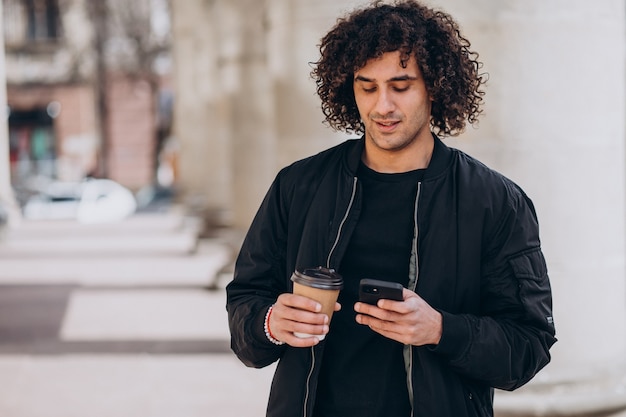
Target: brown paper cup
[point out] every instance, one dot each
(320, 284)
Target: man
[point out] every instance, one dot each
(395, 205)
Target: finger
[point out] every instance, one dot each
(295, 333)
(309, 330)
(286, 318)
(410, 303)
(374, 323)
(393, 306)
(301, 342)
(409, 299)
(390, 330)
(299, 302)
(374, 311)
(365, 308)
(406, 294)
(285, 330)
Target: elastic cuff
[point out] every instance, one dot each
(455, 335)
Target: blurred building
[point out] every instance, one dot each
(83, 88)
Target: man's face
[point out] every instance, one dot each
(393, 103)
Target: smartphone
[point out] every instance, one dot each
(372, 290)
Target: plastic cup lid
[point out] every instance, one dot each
(320, 277)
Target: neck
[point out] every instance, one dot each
(410, 158)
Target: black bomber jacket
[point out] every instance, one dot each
(479, 263)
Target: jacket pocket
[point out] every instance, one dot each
(531, 273)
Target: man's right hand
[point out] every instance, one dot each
(295, 313)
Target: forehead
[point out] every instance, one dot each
(388, 66)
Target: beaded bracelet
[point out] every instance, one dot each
(266, 327)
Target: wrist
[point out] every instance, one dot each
(438, 328)
(266, 327)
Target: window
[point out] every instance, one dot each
(31, 21)
(42, 18)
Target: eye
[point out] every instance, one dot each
(369, 89)
(401, 89)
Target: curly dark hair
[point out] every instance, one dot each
(449, 68)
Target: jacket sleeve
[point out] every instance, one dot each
(509, 341)
(258, 281)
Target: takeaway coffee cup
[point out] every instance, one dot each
(320, 284)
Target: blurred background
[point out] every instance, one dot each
(139, 137)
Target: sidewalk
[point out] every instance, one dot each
(120, 320)
(125, 319)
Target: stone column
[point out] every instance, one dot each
(252, 112)
(296, 28)
(554, 123)
(200, 123)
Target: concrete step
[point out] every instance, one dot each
(157, 234)
(91, 268)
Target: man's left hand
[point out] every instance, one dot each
(411, 321)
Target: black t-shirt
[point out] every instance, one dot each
(363, 373)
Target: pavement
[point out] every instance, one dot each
(120, 320)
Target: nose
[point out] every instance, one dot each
(384, 103)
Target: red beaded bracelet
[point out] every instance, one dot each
(266, 327)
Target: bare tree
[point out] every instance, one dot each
(98, 12)
(125, 41)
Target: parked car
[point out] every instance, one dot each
(89, 201)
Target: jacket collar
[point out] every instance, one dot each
(438, 162)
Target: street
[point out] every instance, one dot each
(123, 319)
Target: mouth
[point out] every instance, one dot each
(385, 125)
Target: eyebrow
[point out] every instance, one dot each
(398, 78)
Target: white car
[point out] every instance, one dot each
(89, 201)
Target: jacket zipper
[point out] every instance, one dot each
(343, 222)
(308, 383)
(413, 288)
(330, 254)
